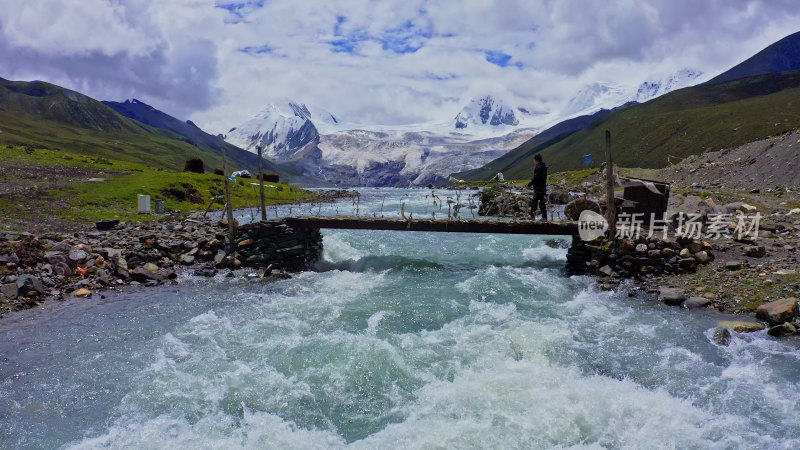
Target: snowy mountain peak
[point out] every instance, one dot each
(485, 112)
(657, 86)
(594, 97)
(284, 130)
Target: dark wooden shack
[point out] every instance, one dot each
(646, 197)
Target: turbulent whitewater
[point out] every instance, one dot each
(399, 340)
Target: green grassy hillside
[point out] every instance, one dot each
(39, 185)
(43, 115)
(685, 122)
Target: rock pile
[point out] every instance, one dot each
(36, 268)
(628, 258)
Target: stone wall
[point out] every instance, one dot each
(275, 243)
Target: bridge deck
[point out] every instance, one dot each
(446, 226)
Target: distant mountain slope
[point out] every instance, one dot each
(188, 131)
(782, 56)
(522, 156)
(684, 122)
(41, 114)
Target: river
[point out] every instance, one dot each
(399, 340)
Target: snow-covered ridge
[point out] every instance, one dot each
(485, 111)
(349, 153)
(658, 86)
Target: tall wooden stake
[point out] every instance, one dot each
(229, 203)
(261, 184)
(611, 204)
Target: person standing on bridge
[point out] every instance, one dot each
(539, 185)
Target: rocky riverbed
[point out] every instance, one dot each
(50, 266)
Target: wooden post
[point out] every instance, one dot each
(261, 184)
(611, 204)
(229, 203)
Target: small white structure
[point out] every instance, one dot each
(499, 177)
(144, 204)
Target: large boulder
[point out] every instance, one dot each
(784, 329)
(741, 326)
(29, 285)
(574, 208)
(778, 312)
(143, 275)
(696, 302)
(671, 296)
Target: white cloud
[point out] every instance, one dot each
(388, 62)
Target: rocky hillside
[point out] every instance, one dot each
(767, 164)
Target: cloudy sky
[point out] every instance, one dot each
(388, 62)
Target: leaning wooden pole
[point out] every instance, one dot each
(229, 203)
(611, 204)
(261, 184)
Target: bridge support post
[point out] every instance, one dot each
(577, 257)
(276, 244)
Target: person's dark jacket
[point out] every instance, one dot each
(539, 181)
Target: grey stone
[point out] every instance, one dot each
(9, 258)
(671, 296)
(62, 269)
(78, 256)
(143, 275)
(696, 302)
(9, 291)
(27, 284)
(784, 329)
(63, 247)
(187, 259)
(607, 271)
(220, 256)
(733, 265)
(721, 336)
(55, 257)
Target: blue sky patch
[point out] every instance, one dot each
(241, 8)
(405, 38)
(497, 58)
(257, 50)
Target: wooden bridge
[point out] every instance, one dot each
(434, 225)
(295, 243)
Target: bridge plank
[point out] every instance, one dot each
(440, 225)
